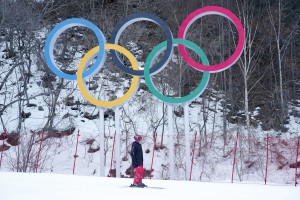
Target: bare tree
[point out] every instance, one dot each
(282, 40)
(252, 54)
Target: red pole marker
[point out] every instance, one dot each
(39, 152)
(298, 144)
(112, 155)
(154, 147)
(2, 150)
(75, 155)
(267, 160)
(234, 158)
(193, 154)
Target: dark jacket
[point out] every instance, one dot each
(136, 154)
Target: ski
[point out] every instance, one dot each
(149, 187)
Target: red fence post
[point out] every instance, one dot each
(267, 160)
(75, 155)
(154, 147)
(193, 154)
(298, 144)
(112, 154)
(235, 147)
(39, 152)
(2, 150)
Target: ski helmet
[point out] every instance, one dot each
(138, 137)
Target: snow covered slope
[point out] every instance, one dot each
(29, 186)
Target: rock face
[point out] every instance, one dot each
(93, 150)
(59, 134)
(13, 139)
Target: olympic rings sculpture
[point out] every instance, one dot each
(99, 53)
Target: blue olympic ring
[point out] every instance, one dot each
(52, 37)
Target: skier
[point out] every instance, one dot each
(136, 154)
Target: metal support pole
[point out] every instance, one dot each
(101, 142)
(118, 134)
(112, 155)
(171, 141)
(187, 140)
(193, 155)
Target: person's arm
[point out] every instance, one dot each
(133, 154)
(132, 150)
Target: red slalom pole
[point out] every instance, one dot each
(112, 154)
(2, 150)
(193, 154)
(234, 158)
(75, 155)
(267, 160)
(38, 158)
(154, 147)
(298, 144)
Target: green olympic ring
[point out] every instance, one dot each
(156, 51)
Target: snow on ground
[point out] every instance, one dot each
(31, 186)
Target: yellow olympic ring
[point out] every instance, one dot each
(82, 86)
